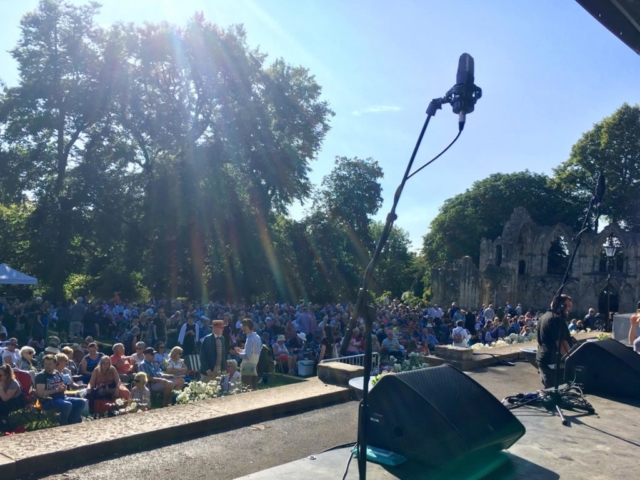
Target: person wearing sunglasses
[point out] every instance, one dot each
(27, 361)
(138, 357)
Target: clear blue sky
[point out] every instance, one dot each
(548, 71)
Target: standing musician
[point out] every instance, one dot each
(553, 334)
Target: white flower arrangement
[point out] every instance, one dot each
(198, 390)
(503, 342)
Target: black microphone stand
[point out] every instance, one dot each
(568, 397)
(365, 307)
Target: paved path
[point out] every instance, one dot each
(232, 454)
(598, 447)
(273, 443)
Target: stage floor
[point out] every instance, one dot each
(601, 446)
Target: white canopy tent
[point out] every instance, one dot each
(9, 276)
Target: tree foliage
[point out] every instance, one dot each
(611, 147)
(162, 159)
(482, 211)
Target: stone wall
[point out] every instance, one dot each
(514, 268)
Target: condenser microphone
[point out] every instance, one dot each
(464, 94)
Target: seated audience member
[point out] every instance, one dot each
(104, 383)
(10, 394)
(61, 366)
(281, 353)
(11, 354)
(121, 363)
(232, 379)
(159, 381)
(72, 366)
(50, 389)
(78, 356)
(26, 362)
(140, 393)
(138, 357)
(176, 365)
(90, 361)
(296, 345)
(162, 356)
(391, 346)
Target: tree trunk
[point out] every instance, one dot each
(59, 272)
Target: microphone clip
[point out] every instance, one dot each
(463, 97)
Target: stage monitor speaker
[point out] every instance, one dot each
(607, 367)
(435, 415)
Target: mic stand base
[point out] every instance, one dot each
(556, 400)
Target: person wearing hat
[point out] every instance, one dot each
(213, 356)
(53, 349)
(281, 353)
(296, 347)
(250, 355)
(11, 355)
(159, 381)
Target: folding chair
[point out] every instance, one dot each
(193, 363)
(31, 412)
(278, 364)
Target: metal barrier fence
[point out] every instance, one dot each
(358, 360)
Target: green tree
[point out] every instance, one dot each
(482, 211)
(397, 271)
(351, 194)
(65, 68)
(611, 147)
(223, 142)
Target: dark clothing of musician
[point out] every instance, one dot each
(552, 329)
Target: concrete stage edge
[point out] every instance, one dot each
(602, 446)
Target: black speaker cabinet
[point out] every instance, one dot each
(438, 414)
(607, 367)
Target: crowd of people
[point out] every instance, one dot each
(151, 341)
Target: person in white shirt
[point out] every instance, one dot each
(138, 357)
(460, 335)
(11, 354)
(489, 313)
(250, 355)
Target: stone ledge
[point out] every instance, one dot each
(339, 374)
(45, 451)
(487, 357)
(449, 352)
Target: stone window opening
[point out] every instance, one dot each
(558, 256)
(498, 255)
(522, 267)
